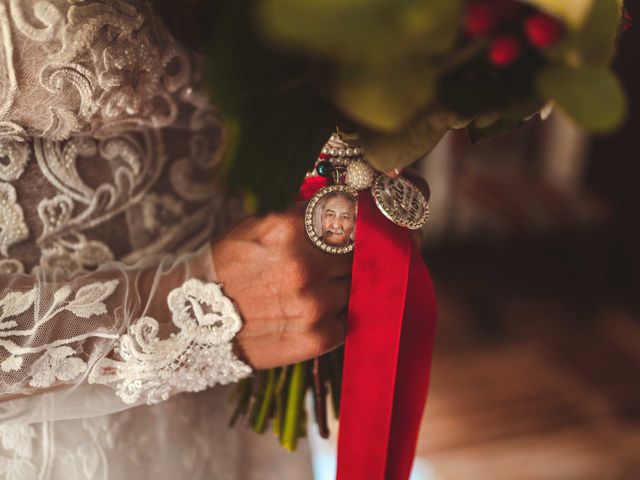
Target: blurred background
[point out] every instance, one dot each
(534, 247)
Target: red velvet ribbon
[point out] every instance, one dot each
(390, 331)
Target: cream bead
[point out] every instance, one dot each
(359, 175)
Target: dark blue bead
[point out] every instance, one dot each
(324, 169)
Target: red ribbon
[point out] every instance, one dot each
(390, 331)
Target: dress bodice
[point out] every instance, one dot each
(108, 156)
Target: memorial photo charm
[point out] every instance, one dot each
(330, 218)
(400, 201)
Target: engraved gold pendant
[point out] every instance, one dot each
(330, 218)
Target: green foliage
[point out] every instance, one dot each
(379, 51)
(284, 73)
(362, 32)
(479, 131)
(277, 115)
(402, 147)
(385, 99)
(592, 26)
(594, 42)
(592, 96)
(476, 87)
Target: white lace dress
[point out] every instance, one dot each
(108, 300)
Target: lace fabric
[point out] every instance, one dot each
(90, 67)
(116, 326)
(108, 300)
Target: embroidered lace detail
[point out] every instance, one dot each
(13, 229)
(108, 156)
(100, 66)
(198, 356)
(55, 361)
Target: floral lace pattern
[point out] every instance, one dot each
(108, 69)
(12, 226)
(101, 65)
(58, 362)
(108, 156)
(197, 357)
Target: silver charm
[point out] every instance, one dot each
(400, 201)
(330, 218)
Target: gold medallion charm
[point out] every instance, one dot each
(400, 201)
(330, 218)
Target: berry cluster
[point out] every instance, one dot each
(507, 24)
(627, 20)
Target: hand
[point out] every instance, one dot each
(292, 296)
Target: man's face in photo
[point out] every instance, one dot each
(338, 220)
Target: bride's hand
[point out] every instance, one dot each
(291, 295)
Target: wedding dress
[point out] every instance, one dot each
(110, 317)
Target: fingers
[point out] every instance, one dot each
(327, 335)
(333, 331)
(333, 294)
(316, 303)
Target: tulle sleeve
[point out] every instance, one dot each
(120, 336)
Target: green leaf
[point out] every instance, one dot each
(361, 31)
(384, 99)
(478, 131)
(386, 151)
(595, 40)
(505, 120)
(592, 96)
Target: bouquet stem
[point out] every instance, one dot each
(277, 395)
(293, 416)
(320, 398)
(259, 420)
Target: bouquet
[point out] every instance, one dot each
(399, 74)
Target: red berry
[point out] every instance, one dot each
(542, 30)
(504, 50)
(480, 19)
(628, 20)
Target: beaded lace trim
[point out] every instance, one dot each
(199, 356)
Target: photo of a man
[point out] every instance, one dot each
(337, 219)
